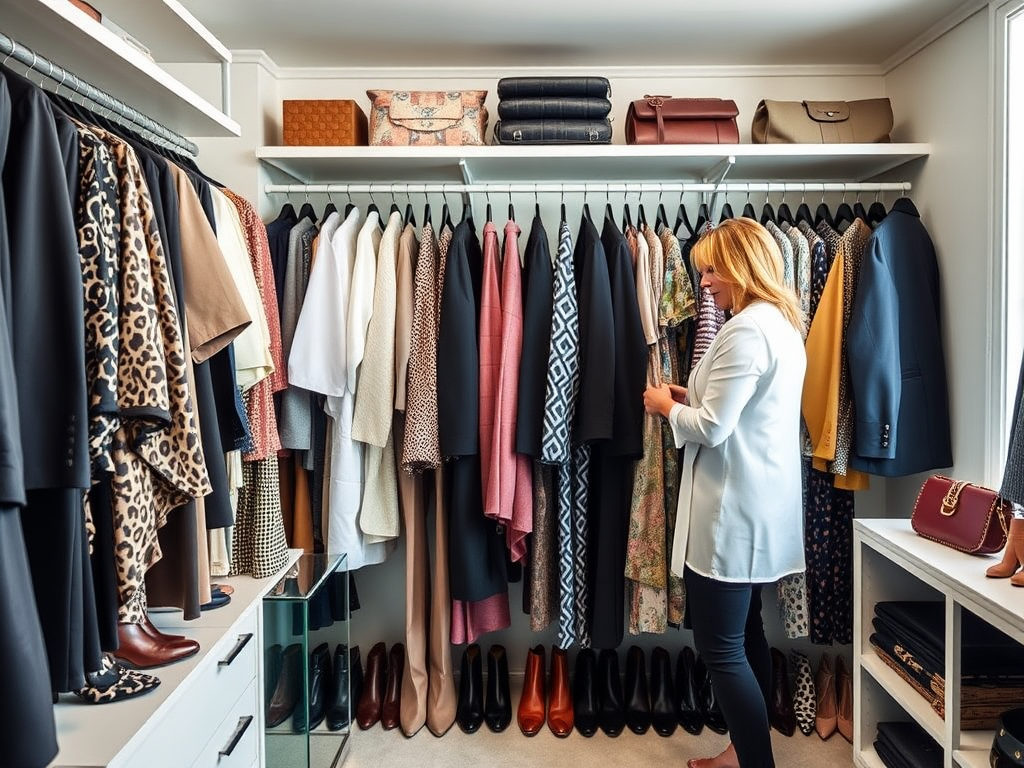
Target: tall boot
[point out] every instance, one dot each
(531, 712)
(442, 699)
(1013, 554)
(638, 700)
(559, 695)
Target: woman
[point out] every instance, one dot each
(739, 523)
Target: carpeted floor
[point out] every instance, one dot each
(377, 748)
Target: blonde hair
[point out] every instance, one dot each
(744, 253)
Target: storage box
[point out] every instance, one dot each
(324, 122)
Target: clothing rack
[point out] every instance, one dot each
(587, 188)
(12, 49)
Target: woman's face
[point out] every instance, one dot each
(719, 288)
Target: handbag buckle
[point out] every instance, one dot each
(656, 101)
(952, 498)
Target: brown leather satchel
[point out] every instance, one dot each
(867, 121)
(664, 120)
(961, 515)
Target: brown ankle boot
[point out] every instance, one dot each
(1013, 555)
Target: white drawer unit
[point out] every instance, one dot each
(207, 711)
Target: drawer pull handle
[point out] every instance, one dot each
(240, 729)
(243, 640)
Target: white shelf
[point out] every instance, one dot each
(904, 695)
(868, 759)
(753, 162)
(57, 30)
(167, 28)
(972, 758)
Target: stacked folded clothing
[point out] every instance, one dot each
(553, 110)
(907, 745)
(909, 637)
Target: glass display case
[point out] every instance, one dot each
(307, 703)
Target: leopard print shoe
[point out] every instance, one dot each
(804, 700)
(114, 682)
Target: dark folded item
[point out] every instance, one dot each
(912, 743)
(554, 108)
(984, 651)
(914, 679)
(553, 132)
(898, 635)
(889, 758)
(520, 87)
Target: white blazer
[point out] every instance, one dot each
(740, 513)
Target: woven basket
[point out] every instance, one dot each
(324, 122)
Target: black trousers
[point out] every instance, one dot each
(729, 635)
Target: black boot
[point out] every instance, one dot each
(688, 709)
(584, 692)
(339, 710)
(713, 717)
(498, 704)
(611, 712)
(319, 681)
(663, 712)
(469, 713)
(638, 700)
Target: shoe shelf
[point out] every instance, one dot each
(891, 562)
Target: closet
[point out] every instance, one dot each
(939, 153)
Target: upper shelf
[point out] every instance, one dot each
(59, 31)
(176, 36)
(753, 162)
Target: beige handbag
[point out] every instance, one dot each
(867, 121)
(427, 118)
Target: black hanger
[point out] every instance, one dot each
(489, 217)
(860, 211)
(394, 208)
(426, 214)
(641, 216)
(608, 213)
(536, 211)
(703, 216)
(784, 215)
(749, 212)
(563, 214)
(307, 212)
(349, 206)
(410, 216)
(843, 217)
(682, 218)
(446, 217)
(876, 212)
(661, 220)
(331, 208)
(586, 211)
(287, 212)
(803, 213)
(511, 211)
(627, 216)
(726, 212)
(823, 214)
(767, 213)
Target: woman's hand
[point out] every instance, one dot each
(679, 394)
(659, 400)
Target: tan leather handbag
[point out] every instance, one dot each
(664, 120)
(427, 118)
(867, 121)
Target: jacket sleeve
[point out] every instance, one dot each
(740, 357)
(873, 351)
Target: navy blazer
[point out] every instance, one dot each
(894, 348)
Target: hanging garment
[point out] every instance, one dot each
(786, 249)
(318, 363)
(538, 290)
(540, 594)
(612, 463)
(27, 727)
(559, 407)
(293, 417)
(802, 267)
(374, 407)
(421, 449)
(360, 308)
(476, 550)
(819, 267)
(278, 235)
(489, 345)
(894, 342)
(509, 491)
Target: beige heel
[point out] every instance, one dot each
(1013, 555)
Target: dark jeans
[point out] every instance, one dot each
(729, 635)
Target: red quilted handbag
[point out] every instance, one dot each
(961, 515)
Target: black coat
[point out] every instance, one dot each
(538, 288)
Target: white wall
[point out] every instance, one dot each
(944, 95)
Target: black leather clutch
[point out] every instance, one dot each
(553, 132)
(910, 745)
(522, 87)
(554, 108)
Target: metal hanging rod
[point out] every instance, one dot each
(589, 187)
(12, 49)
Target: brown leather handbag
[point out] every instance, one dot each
(664, 120)
(868, 121)
(961, 515)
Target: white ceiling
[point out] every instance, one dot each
(553, 33)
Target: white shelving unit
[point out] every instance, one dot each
(752, 162)
(891, 562)
(59, 31)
